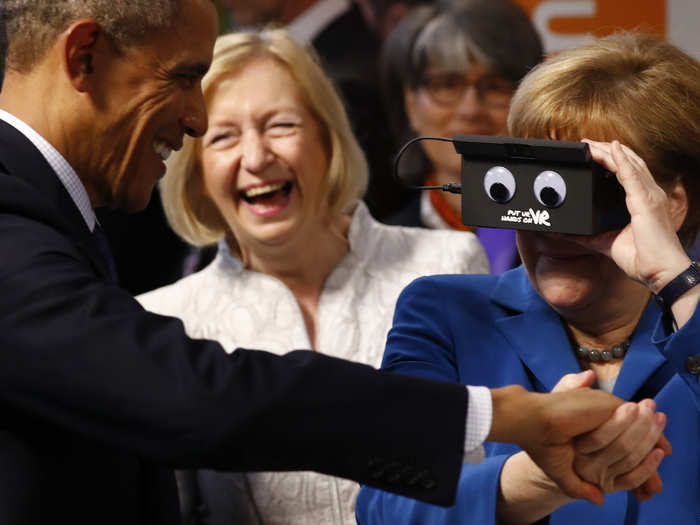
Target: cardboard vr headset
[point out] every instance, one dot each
(541, 185)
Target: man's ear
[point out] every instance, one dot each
(79, 44)
(678, 203)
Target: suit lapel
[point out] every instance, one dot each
(642, 359)
(49, 201)
(534, 330)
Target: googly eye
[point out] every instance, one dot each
(499, 184)
(550, 189)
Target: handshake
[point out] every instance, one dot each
(577, 443)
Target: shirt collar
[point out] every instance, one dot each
(315, 19)
(64, 171)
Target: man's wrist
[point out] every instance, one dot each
(478, 423)
(512, 406)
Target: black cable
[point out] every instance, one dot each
(451, 187)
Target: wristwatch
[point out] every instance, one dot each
(678, 286)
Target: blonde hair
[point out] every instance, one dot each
(189, 211)
(631, 87)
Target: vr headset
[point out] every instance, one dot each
(540, 185)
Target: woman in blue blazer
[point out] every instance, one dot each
(582, 303)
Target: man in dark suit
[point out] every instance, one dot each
(99, 398)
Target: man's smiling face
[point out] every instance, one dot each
(147, 98)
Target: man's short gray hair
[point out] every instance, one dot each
(31, 26)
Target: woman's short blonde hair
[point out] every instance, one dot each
(190, 212)
(632, 87)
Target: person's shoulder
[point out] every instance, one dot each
(453, 297)
(331, 42)
(470, 285)
(442, 251)
(177, 298)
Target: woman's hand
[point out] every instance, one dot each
(621, 454)
(647, 249)
(625, 451)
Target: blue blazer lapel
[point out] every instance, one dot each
(534, 330)
(642, 359)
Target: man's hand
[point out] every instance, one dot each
(544, 425)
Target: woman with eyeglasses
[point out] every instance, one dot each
(446, 69)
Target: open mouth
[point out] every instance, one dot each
(267, 194)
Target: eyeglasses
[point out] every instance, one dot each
(448, 88)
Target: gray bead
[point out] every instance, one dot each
(603, 354)
(618, 351)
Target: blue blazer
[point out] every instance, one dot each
(496, 331)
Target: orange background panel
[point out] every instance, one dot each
(645, 15)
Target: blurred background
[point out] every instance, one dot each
(566, 23)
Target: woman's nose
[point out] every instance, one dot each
(470, 102)
(255, 154)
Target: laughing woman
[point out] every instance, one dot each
(277, 181)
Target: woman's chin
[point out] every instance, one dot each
(567, 298)
(564, 290)
(274, 235)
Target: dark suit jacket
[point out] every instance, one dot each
(408, 215)
(147, 252)
(99, 399)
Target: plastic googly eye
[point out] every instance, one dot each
(499, 184)
(550, 189)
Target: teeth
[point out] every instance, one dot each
(162, 149)
(261, 190)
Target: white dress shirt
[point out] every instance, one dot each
(64, 171)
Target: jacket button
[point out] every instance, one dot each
(391, 471)
(428, 484)
(405, 473)
(415, 478)
(693, 364)
(394, 477)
